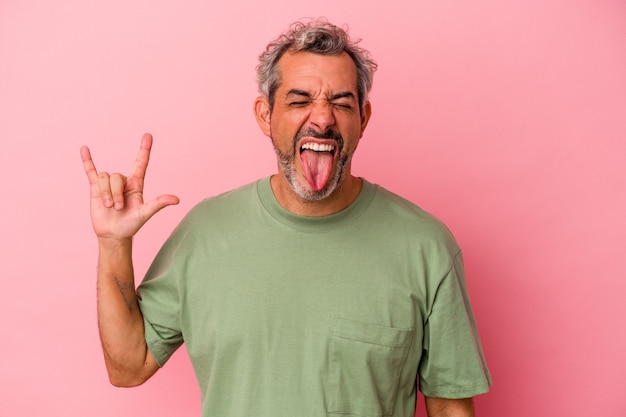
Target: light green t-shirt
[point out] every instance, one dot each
(287, 316)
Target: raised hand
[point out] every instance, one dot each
(117, 205)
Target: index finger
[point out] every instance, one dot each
(143, 157)
(90, 168)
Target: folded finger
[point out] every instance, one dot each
(104, 184)
(118, 184)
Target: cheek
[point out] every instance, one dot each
(287, 124)
(349, 148)
(351, 134)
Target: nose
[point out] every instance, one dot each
(321, 116)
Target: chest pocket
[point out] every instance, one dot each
(365, 364)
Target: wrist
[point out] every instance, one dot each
(112, 244)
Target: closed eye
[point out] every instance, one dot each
(344, 100)
(299, 103)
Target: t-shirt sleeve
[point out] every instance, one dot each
(160, 301)
(452, 364)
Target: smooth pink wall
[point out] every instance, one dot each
(507, 119)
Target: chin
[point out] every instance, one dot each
(309, 194)
(300, 185)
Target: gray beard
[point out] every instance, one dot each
(288, 168)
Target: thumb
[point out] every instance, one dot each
(154, 206)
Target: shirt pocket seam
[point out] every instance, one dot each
(396, 341)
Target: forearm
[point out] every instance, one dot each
(119, 318)
(445, 407)
(118, 211)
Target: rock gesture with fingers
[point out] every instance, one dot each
(118, 209)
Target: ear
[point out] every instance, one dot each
(365, 116)
(262, 115)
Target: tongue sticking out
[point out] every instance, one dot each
(317, 167)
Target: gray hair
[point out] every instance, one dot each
(320, 37)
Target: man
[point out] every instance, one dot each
(308, 293)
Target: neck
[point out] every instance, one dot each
(341, 198)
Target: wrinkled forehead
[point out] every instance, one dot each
(317, 74)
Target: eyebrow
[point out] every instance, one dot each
(296, 92)
(343, 94)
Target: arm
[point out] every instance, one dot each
(445, 407)
(117, 213)
(126, 355)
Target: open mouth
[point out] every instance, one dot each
(317, 162)
(318, 147)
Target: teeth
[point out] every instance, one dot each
(318, 148)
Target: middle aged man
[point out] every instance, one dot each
(308, 293)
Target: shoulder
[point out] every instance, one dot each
(229, 202)
(409, 220)
(219, 212)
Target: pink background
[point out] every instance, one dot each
(507, 119)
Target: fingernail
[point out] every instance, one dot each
(118, 206)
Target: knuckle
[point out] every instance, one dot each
(117, 177)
